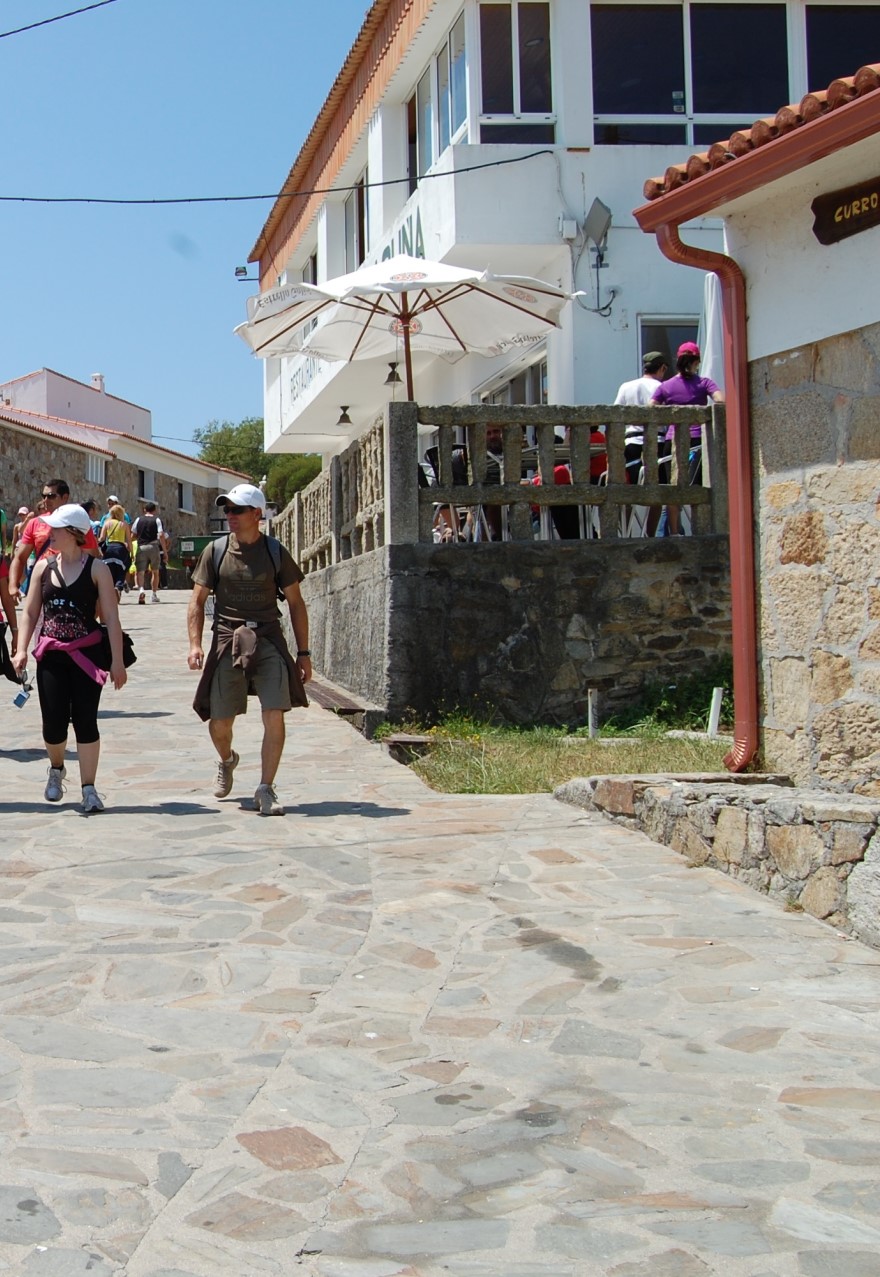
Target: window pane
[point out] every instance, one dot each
(496, 59)
(666, 336)
(638, 59)
(412, 146)
(517, 133)
(706, 134)
(535, 86)
(458, 75)
(425, 111)
(443, 97)
(840, 39)
(739, 57)
(640, 134)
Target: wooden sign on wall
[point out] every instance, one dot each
(840, 214)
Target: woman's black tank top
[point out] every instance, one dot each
(68, 610)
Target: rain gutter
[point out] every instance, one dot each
(700, 196)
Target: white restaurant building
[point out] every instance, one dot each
(480, 134)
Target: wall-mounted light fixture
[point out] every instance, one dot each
(344, 419)
(241, 274)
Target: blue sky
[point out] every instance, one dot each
(143, 99)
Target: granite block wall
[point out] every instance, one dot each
(816, 442)
(524, 629)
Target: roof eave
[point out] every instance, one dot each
(700, 196)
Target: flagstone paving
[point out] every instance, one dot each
(403, 1033)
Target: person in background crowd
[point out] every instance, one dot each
(111, 502)
(248, 646)
(25, 514)
(67, 588)
(115, 542)
(151, 541)
(91, 508)
(35, 537)
(6, 600)
(638, 394)
(686, 388)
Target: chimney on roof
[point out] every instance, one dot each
(98, 382)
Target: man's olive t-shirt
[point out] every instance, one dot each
(246, 590)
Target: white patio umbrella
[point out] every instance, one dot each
(400, 305)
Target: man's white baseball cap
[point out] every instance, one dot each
(244, 494)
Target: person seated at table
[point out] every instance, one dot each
(566, 518)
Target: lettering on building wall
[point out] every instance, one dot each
(840, 214)
(302, 376)
(409, 238)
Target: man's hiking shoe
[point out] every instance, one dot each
(224, 776)
(266, 801)
(91, 802)
(54, 791)
(155, 598)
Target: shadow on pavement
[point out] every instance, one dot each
(142, 809)
(132, 713)
(371, 810)
(23, 755)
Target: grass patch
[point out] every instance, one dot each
(470, 757)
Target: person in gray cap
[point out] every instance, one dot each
(246, 572)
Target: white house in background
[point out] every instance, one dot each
(480, 133)
(51, 394)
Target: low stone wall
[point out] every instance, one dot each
(524, 629)
(813, 849)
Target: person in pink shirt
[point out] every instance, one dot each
(687, 388)
(34, 539)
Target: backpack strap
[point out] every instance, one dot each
(219, 546)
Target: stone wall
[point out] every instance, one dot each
(815, 851)
(27, 460)
(524, 629)
(815, 414)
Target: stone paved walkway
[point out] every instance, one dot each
(398, 1032)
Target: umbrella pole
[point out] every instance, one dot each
(407, 349)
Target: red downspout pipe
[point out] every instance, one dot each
(739, 469)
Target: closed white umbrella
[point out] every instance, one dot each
(404, 304)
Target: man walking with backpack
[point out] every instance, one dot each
(246, 572)
(151, 539)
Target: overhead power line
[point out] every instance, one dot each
(99, 4)
(280, 195)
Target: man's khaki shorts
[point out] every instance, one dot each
(268, 675)
(147, 556)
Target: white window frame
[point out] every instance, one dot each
(185, 503)
(96, 470)
(147, 480)
(518, 116)
(357, 221)
(460, 133)
(687, 119)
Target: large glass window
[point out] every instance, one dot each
(437, 111)
(840, 39)
(516, 72)
(356, 245)
(684, 72)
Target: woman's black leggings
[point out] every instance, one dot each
(67, 695)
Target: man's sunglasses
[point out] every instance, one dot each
(50, 496)
(237, 509)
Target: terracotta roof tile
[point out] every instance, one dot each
(787, 118)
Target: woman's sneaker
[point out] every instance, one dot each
(90, 801)
(54, 791)
(266, 801)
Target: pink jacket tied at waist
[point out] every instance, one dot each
(73, 648)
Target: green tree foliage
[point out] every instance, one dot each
(240, 447)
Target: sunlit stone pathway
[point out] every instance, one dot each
(404, 1033)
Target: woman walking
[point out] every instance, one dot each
(68, 589)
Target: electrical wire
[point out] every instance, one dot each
(281, 195)
(32, 26)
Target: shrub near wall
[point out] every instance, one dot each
(817, 466)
